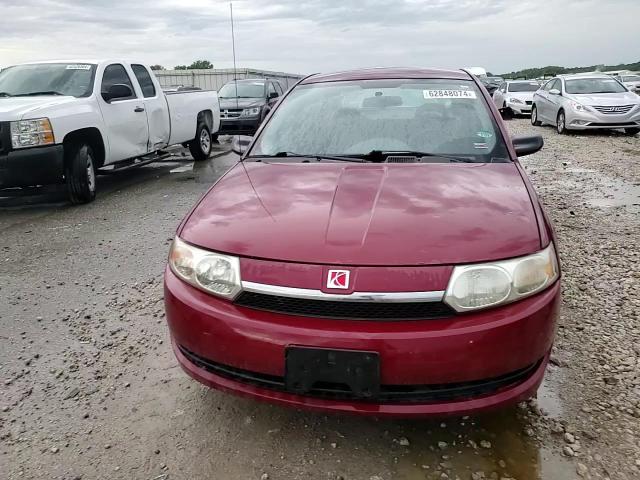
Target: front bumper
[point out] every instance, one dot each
(239, 126)
(466, 349)
(594, 120)
(32, 166)
(519, 108)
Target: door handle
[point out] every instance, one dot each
(138, 109)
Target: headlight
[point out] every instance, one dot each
(515, 100)
(486, 285)
(212, 272)
(250, 112)
(578, 107)
(31, 133)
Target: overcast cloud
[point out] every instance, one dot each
(301, 36)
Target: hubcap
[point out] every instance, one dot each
(561, 122)
(205, 141)
(534, 115)
(91, 174)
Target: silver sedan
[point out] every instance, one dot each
(582, 102)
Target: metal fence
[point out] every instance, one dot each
(214, 79)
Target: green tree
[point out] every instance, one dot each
(180, 67)
(200, 65)
(157, 67)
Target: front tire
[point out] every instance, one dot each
(534, 117)
(561, 123)
(507, 113)
(80, 173)
(200, 146)
(632, 131)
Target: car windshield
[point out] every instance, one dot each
(631, 78)
(587, 86)
(434, 116)
(71, 79)
(523, 87)
(245, 90)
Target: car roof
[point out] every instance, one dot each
(387, 73)
(575, 76)
(521, 81)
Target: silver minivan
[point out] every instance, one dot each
(583, 102)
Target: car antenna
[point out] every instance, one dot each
(233, 48)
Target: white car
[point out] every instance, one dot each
(61, 121)
(515, 96)
(631, 81)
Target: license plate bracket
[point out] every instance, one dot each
(358, 370)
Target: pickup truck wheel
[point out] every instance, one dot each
(200, 147)
(80, 173)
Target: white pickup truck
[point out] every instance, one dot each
(62, 121)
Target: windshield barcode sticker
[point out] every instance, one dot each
(429, 94)
(78, 67)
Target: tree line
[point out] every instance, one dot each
(197, 65)
(553, 70)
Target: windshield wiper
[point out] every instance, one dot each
(34, 94)
(381, 156)
(314, 156)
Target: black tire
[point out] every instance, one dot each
(561, 123)
(80, 173)
(507, 113)
(200, 146)
(632, 131)
(534, 117)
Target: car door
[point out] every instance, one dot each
(125, 119)
(554, 102)
(155, 106)
(542, 101)
(272, 94)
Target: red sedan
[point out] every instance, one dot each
(378, 249)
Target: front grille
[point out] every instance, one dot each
(5, 137)
(398, 394)
(614, 110)
(230, 113)
(344, 310)
(529, 102)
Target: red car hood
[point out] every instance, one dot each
(367, 214)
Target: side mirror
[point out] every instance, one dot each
(117, 91)
(554, 91)
(240, 144)
(273, 95)
(526, 145)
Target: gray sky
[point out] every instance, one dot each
(306, 36)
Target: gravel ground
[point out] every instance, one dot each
(90, 389)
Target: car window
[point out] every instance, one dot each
(587, 86)
(245, 89)
(631, 78)
(523, 87)
(71, 79)
(144, 79)
(549, 85)
(116, 74)
(355, 117)
(271, 89)
(278, 88)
